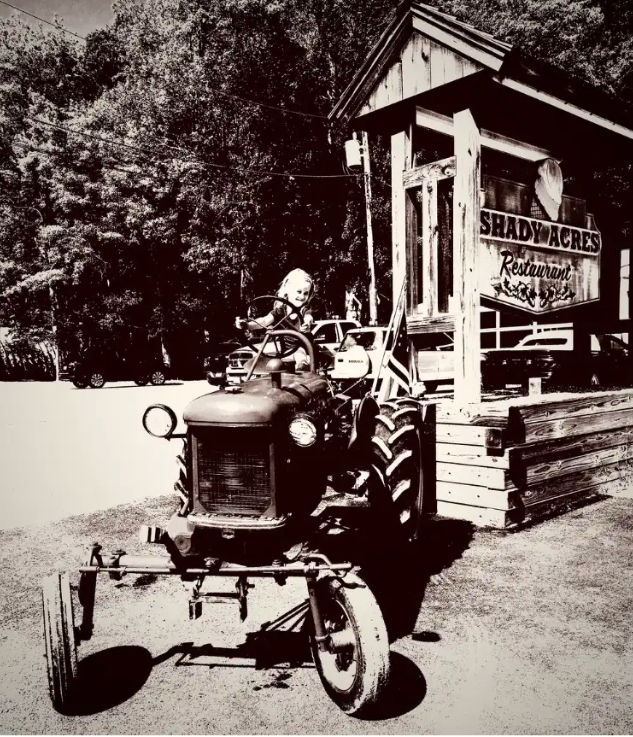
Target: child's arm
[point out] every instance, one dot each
(308, 322)
(261, 323)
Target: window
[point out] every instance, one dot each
(544, 342)
(345, 326)
(326, 334)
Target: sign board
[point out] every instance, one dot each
(537, 265)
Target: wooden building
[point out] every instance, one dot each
(493, 156)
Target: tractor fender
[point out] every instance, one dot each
(363, 425)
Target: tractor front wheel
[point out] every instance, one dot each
(353, 664)
(59, 638)
(396, 447)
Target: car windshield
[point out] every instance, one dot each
(544, 341)
(369, 340)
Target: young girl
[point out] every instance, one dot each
(298, 289)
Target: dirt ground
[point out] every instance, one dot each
(522, 633)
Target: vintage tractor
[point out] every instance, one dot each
(272, 471)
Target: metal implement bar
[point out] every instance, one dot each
(168, 568)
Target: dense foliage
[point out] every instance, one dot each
(144, 193)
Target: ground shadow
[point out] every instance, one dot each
(108, 678)
(263, 650)
(398, 573)
(404, 692)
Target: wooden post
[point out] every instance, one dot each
(466, 213)
(429, 247)
(373, 297)
(400, 161)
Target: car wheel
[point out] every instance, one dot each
(80, 383)
(158, 378)
(96, 380)
(142, 381)
(353, 663)
(396, 448)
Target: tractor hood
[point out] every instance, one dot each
(257, 401)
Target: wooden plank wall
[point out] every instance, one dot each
(503, 463)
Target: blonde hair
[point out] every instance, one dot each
(292, 277)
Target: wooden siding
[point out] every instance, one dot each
(508, 462)
(423, 65)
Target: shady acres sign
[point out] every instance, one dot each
(537, 265)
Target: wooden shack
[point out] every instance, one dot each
(492, 160)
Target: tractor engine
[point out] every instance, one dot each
(253, 467)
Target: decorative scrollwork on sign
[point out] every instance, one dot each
(525, 292)
(554, 293)
(522, 291)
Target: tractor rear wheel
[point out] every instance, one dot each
(59, 637)
(396, 446)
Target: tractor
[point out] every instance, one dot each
(272, 471)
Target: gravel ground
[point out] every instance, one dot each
(523, 633)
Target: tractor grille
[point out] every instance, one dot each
(234, 470)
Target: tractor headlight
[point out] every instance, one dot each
(160, 420)
(303, 431)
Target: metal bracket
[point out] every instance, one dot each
(242, 586)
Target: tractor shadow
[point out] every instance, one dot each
(108, 678)
(399, 573)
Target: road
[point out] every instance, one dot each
(526, 633)
(67, 451)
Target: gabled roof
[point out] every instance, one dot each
(393, 73)
(411, 17)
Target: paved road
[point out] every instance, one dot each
(526, 633)
(66, 451)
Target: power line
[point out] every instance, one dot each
(271, 107)
(42, 20)
(145, 151)
(219, 92)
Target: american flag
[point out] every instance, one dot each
(394, 372)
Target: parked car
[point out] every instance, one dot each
(215, 364)
(434, 356)
(549, 356)
(95, 369)
(326, 334)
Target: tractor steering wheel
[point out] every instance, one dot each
(283, 344)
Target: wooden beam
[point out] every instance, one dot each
(479, 476)
(466, 213)
(480, 516)
(471, 455)
(570, 426)
(442, 169)
(486, 437)
(476, 496)
(430, 238)
(556, 102)
(400, 162)
(421, 324)
(489, 139)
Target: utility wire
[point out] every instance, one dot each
(148, 152)
(54, 25)
(271, 107)
(219, 92)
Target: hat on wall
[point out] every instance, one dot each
(549, 187)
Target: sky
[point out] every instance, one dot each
(80, 16)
